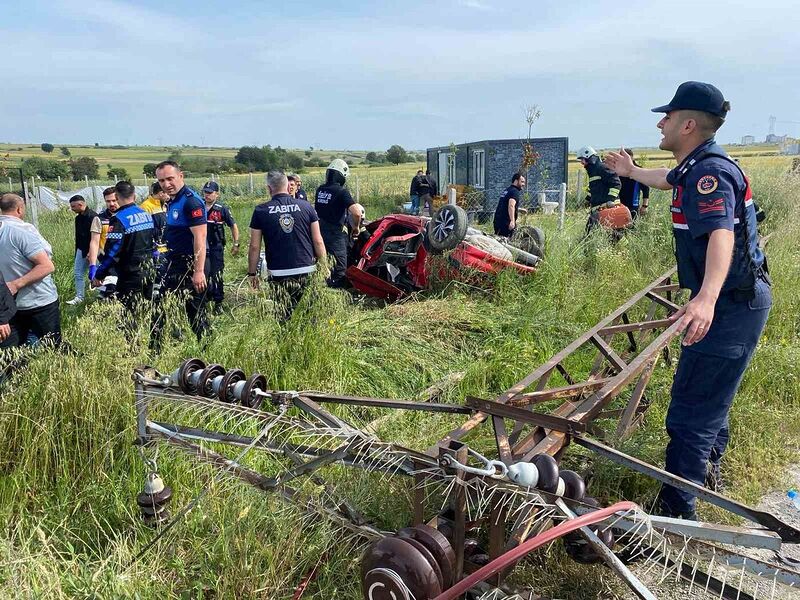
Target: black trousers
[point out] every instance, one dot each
(44, 322)
(288, 293)
(175, 279)
(216, 261)
(335, 240)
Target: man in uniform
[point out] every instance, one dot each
(129, 249)
(87, 235)
(333, 203)
(507, 211)
(604, 185)
(219, 216)
(413, 192)
(185, 268)
(290, 230)
(720, 262)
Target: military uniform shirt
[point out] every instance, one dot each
(185, 210)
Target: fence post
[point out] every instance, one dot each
(86, 179)
(116, 181)
(213, 177)
(579, 186)
(452, 195)
(59, 183)
(10, 185)
(251, 182)
(147, 185)
(358, 190)
(562, 204)
(34, 203)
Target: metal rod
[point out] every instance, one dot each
(771, 522)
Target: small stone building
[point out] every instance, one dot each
(486, 168)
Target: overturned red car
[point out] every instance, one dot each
(391, 258)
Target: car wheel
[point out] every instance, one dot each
(529, 239)
(447, 228)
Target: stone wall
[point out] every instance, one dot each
(502, 159)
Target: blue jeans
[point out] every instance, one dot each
(706, 381)
(80, 268)
(414, 204)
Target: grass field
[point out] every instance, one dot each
(69, 474)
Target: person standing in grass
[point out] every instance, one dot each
(184, 270)
(8, 308)
(219, 215)
(604, 185)
(97, 247)
(87, 235)
(26, 265)
(290, 230)
(634, 195)
(507, 211)
(721, 264)
(129, 249)
(154, 204)
(298, 192)
(413, 192)
(333, 203)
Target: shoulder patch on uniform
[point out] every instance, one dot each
(711, 206)
(197, 212)
(707, 184)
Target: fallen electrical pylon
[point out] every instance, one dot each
(473, 516)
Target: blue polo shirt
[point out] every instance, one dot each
(185, 210)
(285, 224)
(711, 192)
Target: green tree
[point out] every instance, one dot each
(83, 166)
(308, 153)
(253, 157)
(149, 169)
(120, 173)
(294, 161)
(65, 151)
(396, 155)
(47, 148)
(46, 168)
(371, 157)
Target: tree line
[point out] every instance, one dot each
(248, 159)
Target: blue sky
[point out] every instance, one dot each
(365, 75)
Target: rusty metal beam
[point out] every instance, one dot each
(498, 410)
(594, 404)
(543, 372)
(567, 391)
(609, 353)
(631, 327)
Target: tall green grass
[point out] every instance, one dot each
(69, 474)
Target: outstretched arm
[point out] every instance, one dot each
(622, 164)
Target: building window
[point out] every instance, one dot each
(478, 164)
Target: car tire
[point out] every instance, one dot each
(447, 228)
(529, 239)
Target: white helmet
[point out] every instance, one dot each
(586, 152)
(338, 165)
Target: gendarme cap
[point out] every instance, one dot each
(211, 186)
(696, 95)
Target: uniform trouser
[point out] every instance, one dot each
(175, 278)
(44, 322)
(288, 293)
(80, 268)
(708, 375)
(335, 240)
(216, 261)
(135, 293)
